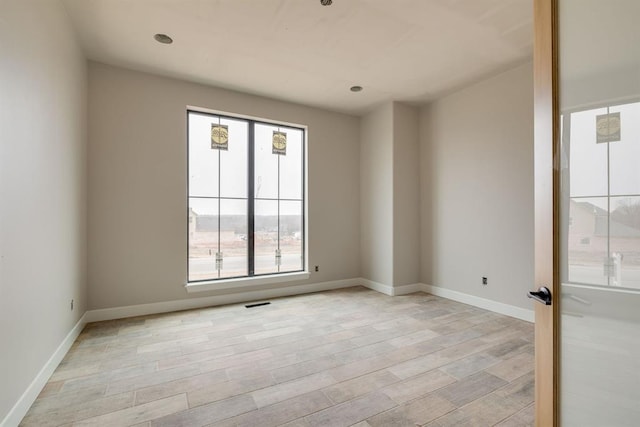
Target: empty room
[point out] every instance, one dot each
(319, 213)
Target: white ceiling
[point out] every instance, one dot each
(301, 51)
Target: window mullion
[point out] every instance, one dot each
(251, 198)
(218, 255)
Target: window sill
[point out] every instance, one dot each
(245, 282)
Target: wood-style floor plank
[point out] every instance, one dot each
(350, 357)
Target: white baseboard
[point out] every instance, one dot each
(407, 289)
(497, 307)
(376, 286)
(391, 290)
(19, 410)
(189, 303)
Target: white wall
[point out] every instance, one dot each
(406, 196)
(476, 171)
(42, 189)
(137, 184)
(376, 195)
(389, 182)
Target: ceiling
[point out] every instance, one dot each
(300, 51)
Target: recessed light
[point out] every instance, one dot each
(163, 38)
(355, 88)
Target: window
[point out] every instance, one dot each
(246, 197)
(602, 195)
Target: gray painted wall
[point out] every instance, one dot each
(476, 172)
(137, 184)
(390, 220)
(406, 196)
(376, 195)
(42, 189)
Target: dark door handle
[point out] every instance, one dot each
(543, 295)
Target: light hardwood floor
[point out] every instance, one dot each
(339, 358)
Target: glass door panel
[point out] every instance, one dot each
(625, 242)
(587, 240)
(599, 63)
(590, 179)
(625, 153)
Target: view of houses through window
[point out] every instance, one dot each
(246, 197)
(602, 231)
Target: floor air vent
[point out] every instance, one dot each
(258, 304)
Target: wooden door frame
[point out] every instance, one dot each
(547, 209)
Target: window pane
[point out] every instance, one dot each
(291, 166)
(588, 168)
(203, 161)
(266, 236)
(203, 238)
(625, 242)
(625, 154)
(266, 163)
(587, 241)
(233, 238)
(291, 236)
(233, 161)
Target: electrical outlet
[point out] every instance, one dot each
(71, 305)
(317, 268)
(485, 281)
